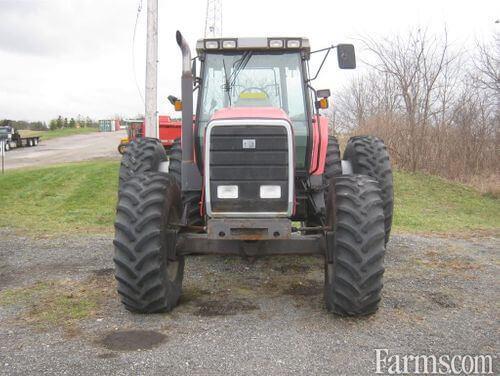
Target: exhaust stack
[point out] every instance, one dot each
(190, 175)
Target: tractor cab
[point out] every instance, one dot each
(256, 73)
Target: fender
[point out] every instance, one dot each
(320, 145)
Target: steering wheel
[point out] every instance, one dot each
(254, 88)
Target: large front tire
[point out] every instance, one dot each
(353, 273)
(149, 274)
(368, 156)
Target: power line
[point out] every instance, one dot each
(139, 9)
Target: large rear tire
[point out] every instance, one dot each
(333, 163)
(144, 155)
(368, 156)
(122, 148)
(189, 199)
(149, 274)
(353, 275)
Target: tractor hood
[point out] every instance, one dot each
(250, 113)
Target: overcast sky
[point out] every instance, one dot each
(73, 57)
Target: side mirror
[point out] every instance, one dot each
(346, 56)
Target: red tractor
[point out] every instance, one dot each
(169, 130)
(255, 173)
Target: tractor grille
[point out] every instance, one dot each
(249, 157)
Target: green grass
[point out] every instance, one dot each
(47, 135)
(81, 198)
(425, 203)
(77, 197)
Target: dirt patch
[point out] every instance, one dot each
(437, 260)
(306, 288)
(5, 279)
(107, 355)
(225, 307)
(192, 294)
(442, 300)
(394, 302)
(58, 302)
(292, 268)
(132, 340)
(106, 272)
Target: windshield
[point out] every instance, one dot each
(253, 79)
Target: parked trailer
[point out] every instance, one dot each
(12, 138)
(169, 130)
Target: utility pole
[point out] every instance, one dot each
(151, 91)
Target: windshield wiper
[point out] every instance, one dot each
(241, 65)
(231, 79)
(227, 87)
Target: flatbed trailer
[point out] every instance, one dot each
(12, 139)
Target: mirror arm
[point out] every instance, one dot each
(323, 49)
(316, 110)
(328, 49)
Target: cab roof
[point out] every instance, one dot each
(263, 44)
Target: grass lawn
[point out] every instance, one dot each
(47, 135)
(81, 198)
(69, 198)
(425, 203)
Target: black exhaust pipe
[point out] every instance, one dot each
(190, 175)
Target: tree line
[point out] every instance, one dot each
(80, 122)
(435, 106)
(58, 123)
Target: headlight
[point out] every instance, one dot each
(293, 43)
(227, 191)
(276, 43)
(270, 191)
(211, 44)
(229, 44)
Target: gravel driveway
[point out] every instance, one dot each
(59, 313)
(75, 148)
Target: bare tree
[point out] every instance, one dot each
(431, 104)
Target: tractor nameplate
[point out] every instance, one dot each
(248, 144)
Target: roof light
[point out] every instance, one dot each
(293, 43)
(211, 44)
(276, 43)
(229, 44)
